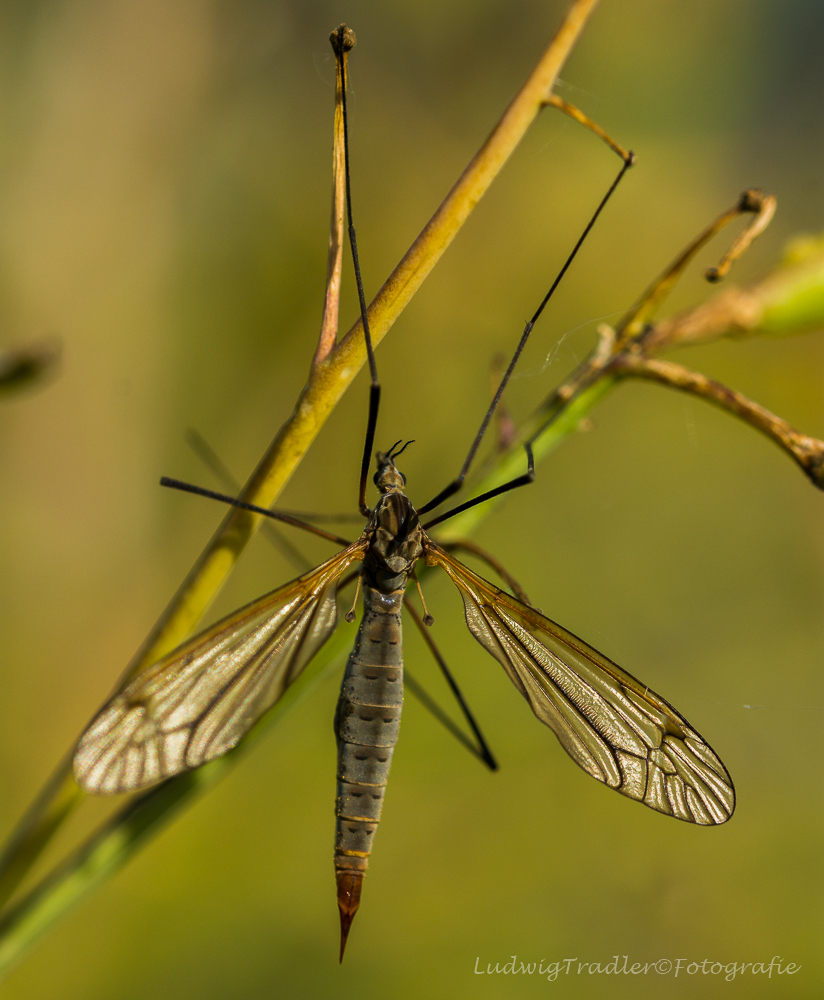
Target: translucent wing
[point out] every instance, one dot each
(611, 724)
(197, 702)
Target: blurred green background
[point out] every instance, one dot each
(164, 180)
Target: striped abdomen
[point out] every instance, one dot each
(367, 721)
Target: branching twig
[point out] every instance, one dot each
(751, 200)
(329, 378)
(789, 300)
(807, 451)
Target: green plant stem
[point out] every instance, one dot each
(117, 840)
(787, 302)
(111, 847)
(513, 462)
(326, 385)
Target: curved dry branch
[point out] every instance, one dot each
(328, 380)
(807, 451)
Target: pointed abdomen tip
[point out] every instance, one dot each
(349, 896)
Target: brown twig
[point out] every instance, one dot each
(632, 345)
(553, 101)
(752, 200)
(735, 312)
(807, 451)
(331, 308)
(763, 205)
(327, 382)
(626, 351)
(635, 335)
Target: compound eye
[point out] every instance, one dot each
(403, 477)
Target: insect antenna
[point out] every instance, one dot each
(343, 40)
(528, 477)
(394, 454)
(177, 484)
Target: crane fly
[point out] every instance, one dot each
(201, 699)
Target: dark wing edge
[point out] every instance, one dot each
(203, 697)
(612, 725)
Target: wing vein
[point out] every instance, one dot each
(613, 726)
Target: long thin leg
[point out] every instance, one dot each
(210, 458)
(343, 39)
(481, 748)
(524, 480)
(435, 709)
(455, 485)
(463, 544)
(506, 431)
(176, 484)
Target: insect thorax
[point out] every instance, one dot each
(396, 543)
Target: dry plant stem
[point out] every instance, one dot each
(329, 380)
(327, 383)
(634, 326)
(563, 412)
(764, 207)
(505, 429)
(116, 842)
(631, 331)
(331, 309)
(807, 451)
(553, 101)
(789, 301)
(734, 312)
(750, 201)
